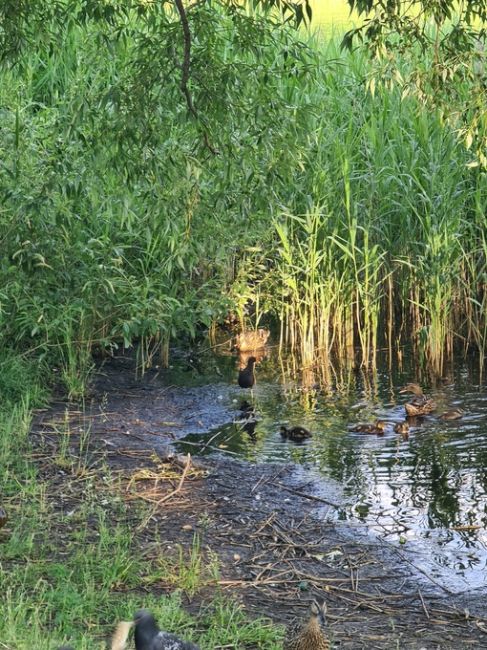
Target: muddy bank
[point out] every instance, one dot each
(275, 529)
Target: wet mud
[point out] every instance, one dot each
(275, 528)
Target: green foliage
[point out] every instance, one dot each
(450, 74)
(127, 219)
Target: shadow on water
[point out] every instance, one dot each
(426, 493)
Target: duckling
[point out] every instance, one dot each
(246, 376)
(378, 427)
(251, 340)
(420, 404)
(311, 635)
(401, 427)
(148, 636)
(452, 414)
(295, 433)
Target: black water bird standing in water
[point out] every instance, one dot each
(148, 636)
(246, 376)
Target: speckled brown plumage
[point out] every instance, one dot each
(251, 340)
(452, 414)
(378, 427)
(310, 635)
(420, 404)
(401, 427)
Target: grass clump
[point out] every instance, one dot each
(72, 563)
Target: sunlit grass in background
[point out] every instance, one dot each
(332, 16)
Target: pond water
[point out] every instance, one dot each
(415, 493)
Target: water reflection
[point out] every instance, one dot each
(428, 488)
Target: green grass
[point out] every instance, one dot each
(70, 558)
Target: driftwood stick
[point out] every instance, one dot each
(423, 604)
(306, 496)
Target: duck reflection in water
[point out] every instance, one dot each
(248, 419)
(249, 428)
(251, 341)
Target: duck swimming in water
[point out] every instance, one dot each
(401, 427)
(378, 427)
(452, 414)
(295, 433)
(420, 404)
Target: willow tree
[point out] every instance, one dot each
(444, 40)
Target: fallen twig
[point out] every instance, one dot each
(168, 496)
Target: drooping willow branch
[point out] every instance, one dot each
(186, 56)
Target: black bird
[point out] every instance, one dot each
(148, 636)
(246, 376)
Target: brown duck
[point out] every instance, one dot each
(420, 404)
(251, 340)
(310, 635)
(452, 414)
(295, 433)
(378, 427)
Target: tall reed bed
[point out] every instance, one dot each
(389, 249)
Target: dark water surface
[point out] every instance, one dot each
(412, 493)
